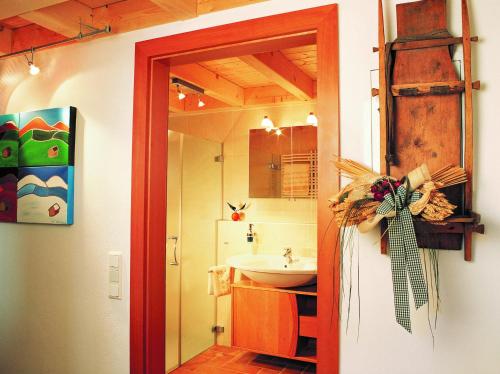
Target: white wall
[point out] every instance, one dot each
(54, 314)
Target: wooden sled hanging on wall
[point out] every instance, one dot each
(420, 94)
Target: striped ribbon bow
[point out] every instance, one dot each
(404, 254)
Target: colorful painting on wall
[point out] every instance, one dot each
(37, 166)
(45, 195)
(9, 125)
(8, 194)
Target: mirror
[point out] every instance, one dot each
(285, 165)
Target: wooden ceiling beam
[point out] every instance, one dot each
(214, 85)
(124, 16)
(191, 103)
(180, 9)
(276, 67)
(5, 41)
(11, 8)
(273, 94)
(62, 18)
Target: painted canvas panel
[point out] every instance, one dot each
(47, 137)
(8, 194)
(45, 195)
(9, 124)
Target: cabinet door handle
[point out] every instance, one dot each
(175, 239)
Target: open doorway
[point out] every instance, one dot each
(242, 132)
(156, 63)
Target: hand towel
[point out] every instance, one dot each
(219, 283)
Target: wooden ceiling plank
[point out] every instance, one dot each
(180, 9)
(31, 36)
(283, 72)
(214, 85)
(244, 48)
(62, 18)
(10, 8)
(207, 6)
(5, 41)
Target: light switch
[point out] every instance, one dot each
(115, 275)
(114, 290)
(114, 259)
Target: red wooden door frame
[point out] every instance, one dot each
(153, 59)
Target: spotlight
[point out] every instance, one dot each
(267, 123)
(181, 95)
(34, 70)
(278, 132)
(201, 103)
(312, 120)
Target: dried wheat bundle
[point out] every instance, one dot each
(426, 190)
(350, 213)
(352, 169)
(438, 207)
(449, 176)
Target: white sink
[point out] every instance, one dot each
(274, 270)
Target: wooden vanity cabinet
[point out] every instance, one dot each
(273, 321)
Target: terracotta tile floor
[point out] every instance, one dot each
(227, 360)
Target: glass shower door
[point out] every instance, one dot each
(201, 209)
(194, 205)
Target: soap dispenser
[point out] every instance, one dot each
(251, 239)
(250, 234)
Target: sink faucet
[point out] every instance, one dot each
(287, 254)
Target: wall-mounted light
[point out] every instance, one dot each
(201, 103)
(33, 69)
(312, 120)
(267, 123)
(269, 129)
(278, 132)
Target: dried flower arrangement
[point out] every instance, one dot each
(371, 197)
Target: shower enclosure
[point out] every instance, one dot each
(194, 205)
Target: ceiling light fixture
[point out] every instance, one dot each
(185, 87)
(181, 95)
(312, 120)
(33, 69)
(267, 123)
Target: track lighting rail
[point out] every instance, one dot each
(80, 36)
